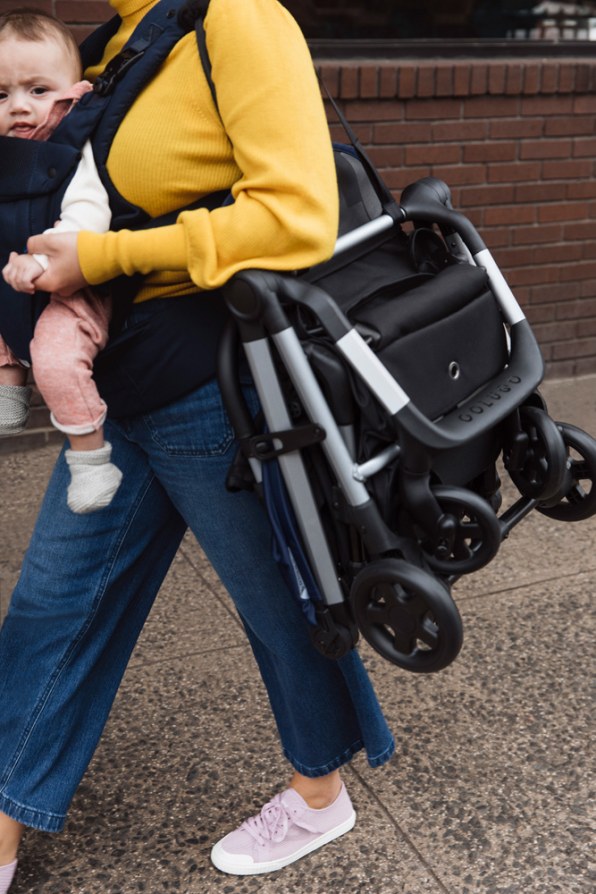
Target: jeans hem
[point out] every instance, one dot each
(35, 819)
(324, 769)
(379, 759)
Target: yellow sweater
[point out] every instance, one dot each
(171, 148)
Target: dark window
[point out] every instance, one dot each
(447, 21)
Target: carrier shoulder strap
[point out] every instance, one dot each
(196, 11)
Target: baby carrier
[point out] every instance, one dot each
(33, 179)
(396, 380)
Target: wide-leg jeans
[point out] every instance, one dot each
(87, 585)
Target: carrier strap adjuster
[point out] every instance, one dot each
(271, 444)
(119, 65)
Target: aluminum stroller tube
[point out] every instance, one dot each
(507, 301)
(312, 398)
(360, 234)
(297, 483)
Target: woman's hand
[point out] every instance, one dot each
(63, 275)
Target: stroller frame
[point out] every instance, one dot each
(396, 591)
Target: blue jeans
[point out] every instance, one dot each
(88, 583)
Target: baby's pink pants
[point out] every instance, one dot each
(68, 336)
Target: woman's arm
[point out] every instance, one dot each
(284, 214)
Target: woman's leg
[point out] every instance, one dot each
(10, 837)
(325, 710)
(86, 586)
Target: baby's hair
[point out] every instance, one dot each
(28, 23)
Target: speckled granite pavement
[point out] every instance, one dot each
(489, 790)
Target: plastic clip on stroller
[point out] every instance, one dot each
(411, 358)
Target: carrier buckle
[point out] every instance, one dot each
(271, 444)
(114, 70)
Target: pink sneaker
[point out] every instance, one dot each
(285, 830)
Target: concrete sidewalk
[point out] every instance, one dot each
(489, 790)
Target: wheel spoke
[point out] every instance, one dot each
(428, 633)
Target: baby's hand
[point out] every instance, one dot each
(21, 272)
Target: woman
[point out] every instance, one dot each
(88, 582)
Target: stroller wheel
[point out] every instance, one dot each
(543, 465)
(407, 615)
(475, 537)
(576, 499)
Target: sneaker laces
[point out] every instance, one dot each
(273, 822)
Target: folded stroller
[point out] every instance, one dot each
(394, 380)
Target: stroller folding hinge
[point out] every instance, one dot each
(271, 444)
(335, 632)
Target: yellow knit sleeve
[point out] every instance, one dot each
(285, 209)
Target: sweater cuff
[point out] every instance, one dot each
(103, 256)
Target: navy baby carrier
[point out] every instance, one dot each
(33, 179)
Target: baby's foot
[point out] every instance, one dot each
(94, 479)
(14, 408)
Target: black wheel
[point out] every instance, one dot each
(407, 615)
(475, 536)
(545, 459)
(576, 499)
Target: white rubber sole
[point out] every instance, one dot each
(230, 864)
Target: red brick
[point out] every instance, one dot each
(582, 271)
(583, 190)
(478, 78)
(369, 81)
(576, 125)
(349, 78)
(508, 173)
(575, 348)
(546, 105)
(460, 175)
(388, 81)
(549, 79)
(493, 151)
(497, 74)
(584, 105)
(434, 109)
(406, 82)
(432, 154)
(459, 131)
(499, 107)
(531, 77)
(461, 79)
(566, 170)
(516, 127)
(78, 12)
(402, 133)
(583, 148)
(580, 230)
(510, 214)
(563, 211)
(514, 78)
(540, 192)
(487, 195)
(551, 233)
(546, 149)
(376, 110)
(444, 79)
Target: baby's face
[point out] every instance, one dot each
(33, 74)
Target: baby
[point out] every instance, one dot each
(40, 72)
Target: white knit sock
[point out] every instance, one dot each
(94, 479)
(6, 876)
(14, 408)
